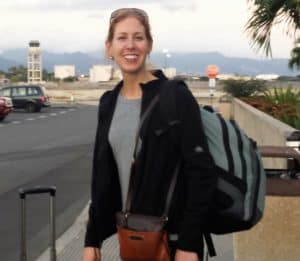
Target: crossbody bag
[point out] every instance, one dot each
(143, 237)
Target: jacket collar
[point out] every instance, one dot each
(151, 84)
(149, 90)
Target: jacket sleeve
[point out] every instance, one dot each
(198, 172)
(93, 237)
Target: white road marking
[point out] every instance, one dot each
(40, 117)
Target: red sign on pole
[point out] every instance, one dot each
(212, 71)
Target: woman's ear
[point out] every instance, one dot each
(150, 48)
(108, 51)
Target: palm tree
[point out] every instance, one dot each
(266, 14)
(295, 56)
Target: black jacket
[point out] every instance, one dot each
(157, 159)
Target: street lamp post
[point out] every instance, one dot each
(167, 55)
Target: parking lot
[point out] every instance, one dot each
(52, 147)
(19, 116)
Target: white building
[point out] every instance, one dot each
(64, 71)
(3, 80)
(233, 77)
(267, 77)
(226, 76)
(101, 73)
(34, 62)
(117, 74)
(170, 72)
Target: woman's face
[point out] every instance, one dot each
(129, 46)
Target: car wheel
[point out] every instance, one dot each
(30, 107)
(38, 109)
(2, 118)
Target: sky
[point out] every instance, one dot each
(178, 26)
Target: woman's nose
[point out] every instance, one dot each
(130, 43)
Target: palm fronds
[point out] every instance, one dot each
(266, 14)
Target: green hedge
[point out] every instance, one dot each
(243, 88)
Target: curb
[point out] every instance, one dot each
(68, 236)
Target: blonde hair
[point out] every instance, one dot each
(143, 19)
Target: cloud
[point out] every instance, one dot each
(179, 6)
(56, 5)
(73, 25)
(96, 15)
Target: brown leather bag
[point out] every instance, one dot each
(143, 237)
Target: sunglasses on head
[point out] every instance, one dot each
(121, 11)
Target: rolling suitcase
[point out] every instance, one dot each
(37, 190)
(283, 182)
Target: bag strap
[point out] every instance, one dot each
(171, 190)
(136, 151)
(168, 109)
(210, 244)
(137, 148)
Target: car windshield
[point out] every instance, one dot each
(5, 92)
(33, 90)
(44, 90)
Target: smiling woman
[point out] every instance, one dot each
(136, 164)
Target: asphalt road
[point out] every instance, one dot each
(53, 147)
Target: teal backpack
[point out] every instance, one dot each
(241, 184)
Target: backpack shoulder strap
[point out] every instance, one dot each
(168, 106)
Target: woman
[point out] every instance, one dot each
(129, 42)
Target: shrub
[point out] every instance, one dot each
(287, 102)
(283, 95)
(70, 79)
(282, 104)
(244, 88)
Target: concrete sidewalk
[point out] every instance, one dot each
(69, 246)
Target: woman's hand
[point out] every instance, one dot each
(91, 254)
(181, 255)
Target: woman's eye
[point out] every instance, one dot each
(140, 38)
(121, 38)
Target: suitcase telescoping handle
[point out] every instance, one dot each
(38, 190)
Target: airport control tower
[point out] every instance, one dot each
(34, 63)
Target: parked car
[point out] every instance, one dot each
(32, 98)
(5, 107)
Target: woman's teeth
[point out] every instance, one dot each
(130, 57)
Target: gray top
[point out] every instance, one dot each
(122, 134)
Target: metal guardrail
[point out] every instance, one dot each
(283, 182)
(293, 161)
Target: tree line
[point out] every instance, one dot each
(19, 74)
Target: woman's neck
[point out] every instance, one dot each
(131, 84)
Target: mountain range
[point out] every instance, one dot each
(189, 62)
